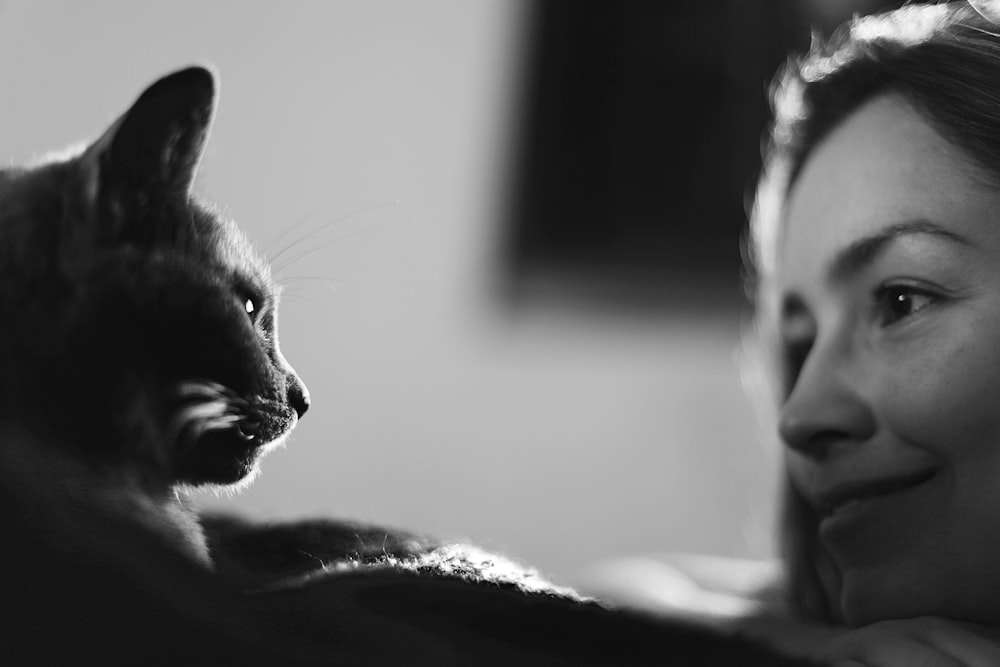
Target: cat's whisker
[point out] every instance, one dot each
(321, 279)
(312, 304)
(202, 427)
(299, 221)
(290, 261)
(200, 389)
(229, 419)
(194, 420)
(309, 215)
(207, 389)
(206, 410)
(332, 284)
(330, 223)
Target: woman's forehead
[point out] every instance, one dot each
(883, 166)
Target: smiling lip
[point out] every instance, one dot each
(844, 495)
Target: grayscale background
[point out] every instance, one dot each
(555, 411)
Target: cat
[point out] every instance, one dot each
(138, 356)
(106, 258)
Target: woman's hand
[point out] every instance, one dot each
(928, 641)
(723, 593)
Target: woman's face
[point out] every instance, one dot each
(889, 275)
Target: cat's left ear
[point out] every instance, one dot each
(154, 148)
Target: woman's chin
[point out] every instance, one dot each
(869, 595)
(895, 592)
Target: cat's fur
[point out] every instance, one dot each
(139, 352)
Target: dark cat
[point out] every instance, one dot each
(139, 330)
(138, 352)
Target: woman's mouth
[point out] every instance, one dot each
(846, 506)
(844, 496)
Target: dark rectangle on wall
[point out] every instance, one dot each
(638, 147)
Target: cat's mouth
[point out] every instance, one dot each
(247, 429)
(220, 435)
(204, 407)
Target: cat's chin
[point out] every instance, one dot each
(230, 459)
(253, 466)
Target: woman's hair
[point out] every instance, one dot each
(944, 59)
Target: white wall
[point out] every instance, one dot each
(562, 438)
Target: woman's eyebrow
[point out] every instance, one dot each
(861, 253)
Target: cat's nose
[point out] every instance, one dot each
(298, 396)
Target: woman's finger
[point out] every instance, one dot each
(892, 644)
(971, 646)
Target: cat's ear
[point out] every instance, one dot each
(154, 148)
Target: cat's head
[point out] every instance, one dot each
(137, 325)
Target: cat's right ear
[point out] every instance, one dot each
(152, 151)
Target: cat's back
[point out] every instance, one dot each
(84, 586)
(7, 174)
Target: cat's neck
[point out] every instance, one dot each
(26, 458)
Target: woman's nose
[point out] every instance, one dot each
(825, 405)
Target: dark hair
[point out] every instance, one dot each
(944, 59)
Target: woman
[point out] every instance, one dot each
(876, 239)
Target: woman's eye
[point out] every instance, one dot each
(897, 302)
(795, 353)
(798, 330)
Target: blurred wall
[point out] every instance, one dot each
(370, 137)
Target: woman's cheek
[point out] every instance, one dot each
(944, 397)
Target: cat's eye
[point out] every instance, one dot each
(254, 303)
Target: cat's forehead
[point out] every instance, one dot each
(220, 237)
